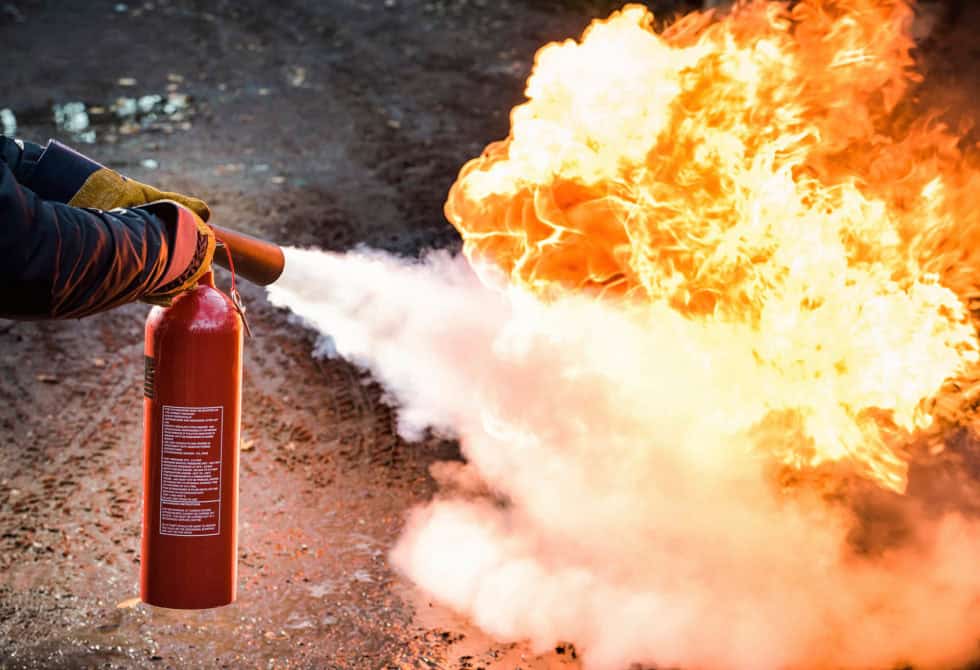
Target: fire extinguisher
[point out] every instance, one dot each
(191, 427)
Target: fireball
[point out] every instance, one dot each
(763, 177)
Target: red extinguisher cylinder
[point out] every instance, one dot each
(191, 426)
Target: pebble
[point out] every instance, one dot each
(8, 122)
(146, 103)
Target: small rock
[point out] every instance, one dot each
(125, 107)
(120, 8)
(8, 122)
(47, 379)
(297, 75)
(229, 168)
(272, 635)
(149, 164)
(147, 102)
(176, 102)
(126, 81)
(71, 117)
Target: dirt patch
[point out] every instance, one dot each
(314, 124)
(322, 124)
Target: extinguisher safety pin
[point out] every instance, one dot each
(236, 299)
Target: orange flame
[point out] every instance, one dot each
(763, 176)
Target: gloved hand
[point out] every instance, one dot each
(190, 254)
(107, 189)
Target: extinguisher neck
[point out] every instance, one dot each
(207, 279)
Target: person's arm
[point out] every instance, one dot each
(59, 261)
(58, 173)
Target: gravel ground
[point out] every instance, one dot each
(313, 123)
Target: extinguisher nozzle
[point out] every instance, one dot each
(256, 260)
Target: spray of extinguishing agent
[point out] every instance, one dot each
(191, 426)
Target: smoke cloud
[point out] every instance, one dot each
(615, 493)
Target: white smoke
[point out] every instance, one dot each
(611, 496)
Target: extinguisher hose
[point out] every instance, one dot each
(236, 297)
(231, 263)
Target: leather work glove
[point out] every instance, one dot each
(107, 189)
(190, 255)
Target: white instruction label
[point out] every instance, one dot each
(190, 471)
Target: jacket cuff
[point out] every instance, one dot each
(183, 240)
(20, 156)
(57, 173)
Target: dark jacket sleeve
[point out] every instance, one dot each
(58, 261)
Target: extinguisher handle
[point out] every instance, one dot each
(256, 260)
